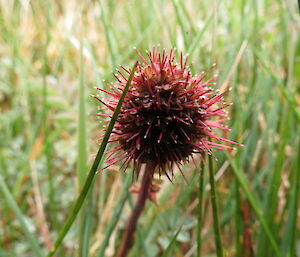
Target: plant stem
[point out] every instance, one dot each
(200, 202)
(82, 147)
(133, 219)
(217, 232)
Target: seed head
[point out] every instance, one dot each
(167, 114)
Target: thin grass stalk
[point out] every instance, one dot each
(296, 204)
(93, 170)
(171, 244)
(289, 238)
(287, 93)
(217, 231)
(188, 17)
(88, 223)
(273, 186)
(102, 195)
(163, 21)
(214, 33)
(20, 217)
(194, 45)
(238, 221)
(115, 216)
(82, 149)
(242, 182)
(109, 35)
(181, 22)
(44, 119)
(128, 238)
(200, 204)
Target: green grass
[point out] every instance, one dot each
(53, 54)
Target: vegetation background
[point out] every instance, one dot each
(52, 54)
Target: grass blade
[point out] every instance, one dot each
(200, 204)
(195, 43)
(87, 225)
(115, 216)
(238, 220)
(13, 205)
(93, 170)
(109, 36)
(45, 111)
(181, 22)
(81, 150)
(171, 244)
(291, 225)
(213, 195)
(274, 183)
(242, 181)
(286, 91)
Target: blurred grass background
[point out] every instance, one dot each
(52, 54)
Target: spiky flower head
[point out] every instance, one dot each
(167, 114)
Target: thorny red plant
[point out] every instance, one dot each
(166, 116)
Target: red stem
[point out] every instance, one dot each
(132, 222)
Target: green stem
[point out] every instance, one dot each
(88, 223)
(82, 149)
(200, 203)
(93, 170)
(124, 195)
(238, 222)
(217, 232)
